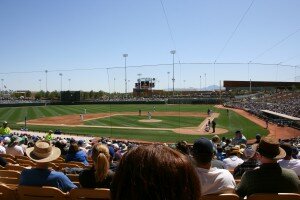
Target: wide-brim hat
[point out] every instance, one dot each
(43, 152)
(235, 150)
(269, 148)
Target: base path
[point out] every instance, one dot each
(274, 130)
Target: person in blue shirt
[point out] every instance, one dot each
(43, 153)
(77, 155)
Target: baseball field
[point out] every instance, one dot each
(168, 123)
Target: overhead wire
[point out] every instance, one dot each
(234, 31)
(275, 45)
(153, 65)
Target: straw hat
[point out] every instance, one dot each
(269, 148)
(43, 152)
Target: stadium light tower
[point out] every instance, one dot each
(168, 81)
(46, 71)
(125, 57)
(200, 84)
(205, 81)
(139, 80)
(114, 85)
(60, 74)
(2, 89)
(173, 79)
(69, 84)
(40, 84)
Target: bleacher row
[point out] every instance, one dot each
(10, 189)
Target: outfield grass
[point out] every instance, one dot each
(232, 122)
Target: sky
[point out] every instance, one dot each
(63, 36)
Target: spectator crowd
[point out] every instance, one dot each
(159, 171)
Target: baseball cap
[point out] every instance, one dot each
(249, 152)
(202, 146)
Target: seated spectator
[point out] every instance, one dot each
(99, 175)
(49, 136)
(2, 148)
(155, 172)
(239, 138)
(5, 130)
(269, 177)
(233, 160)
(43, 153)
(288, 162)
(3, 162)
(13, 147)
(74, 154)
(250, 163)
(212, 180)
(183, 147)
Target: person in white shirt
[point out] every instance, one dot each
(13, 148)
(288, 162)
(233, 160)
(2, 148)
(212, 180)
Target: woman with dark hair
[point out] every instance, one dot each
(75, 154)
(99, 176)
(155, 172)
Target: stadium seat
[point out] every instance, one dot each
(10, 160)
(26, 163)
(70, 165)
(220, 197)
(279, 196)
(9, 180)
(22, 157)
(74, 178)
(7, 156)
(10, 174)
(92, 194)
(38, 193)
(80, 164)
(53, 166)
(7, 192)
(15, 167)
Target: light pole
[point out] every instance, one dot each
(200, 84)
(40, 84)
(69, 84)
(205, 81)
(139, 80)
(114, 85)
(46, 71)
(60, 74)
(173, 79)
(125, 56)
(2, 89)
(168, 81)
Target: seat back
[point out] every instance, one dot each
(64, 165)
(38, 193)
(92, 194)
(26, 163)
(22, 157)
(275, 196)
(80, 164)
(10, 174)
(10, 160)
(7, 192)
(220, 197)
(9, 180)
(3, 155)
(14, 167)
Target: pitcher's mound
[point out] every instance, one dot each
(150, 120)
